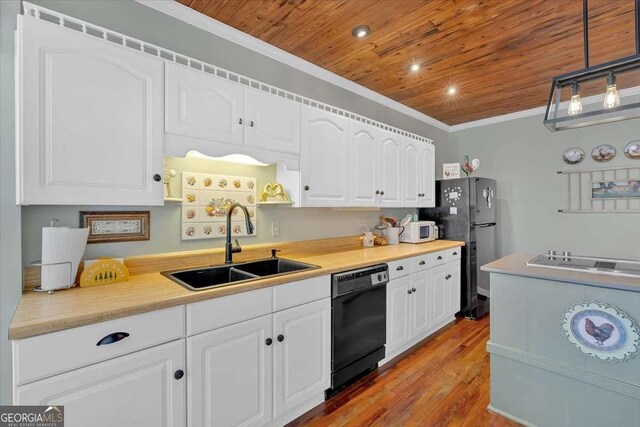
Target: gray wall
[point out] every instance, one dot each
(10, 266)
(524, 156)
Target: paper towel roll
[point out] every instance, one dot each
(61, 246)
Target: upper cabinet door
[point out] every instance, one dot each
(200, 105)
(390, 169)
(90, 119)
(411, 172)
(271, 122)
(427, 176)
(324, 158)
(364, 157)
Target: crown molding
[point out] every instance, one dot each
(206, 23)
(498, 119)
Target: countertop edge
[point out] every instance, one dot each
(35, 328)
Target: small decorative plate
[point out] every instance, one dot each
(603, 153)
(601, 331)
(632, 150)
(573, 155)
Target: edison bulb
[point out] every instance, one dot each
(611, 98)
(575, 106)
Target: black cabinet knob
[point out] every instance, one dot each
(421, 263)
(178, 374)
(251, 123)
(306, 188)
(400, 268)
(280, 338)
(409, 291)
(455, 253)
(382, 193)
(157, 177)
(268, 341)
(377, 191)
(439, 257)
(240, 121)
(413, 289)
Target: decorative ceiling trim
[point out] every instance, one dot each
(197, 19)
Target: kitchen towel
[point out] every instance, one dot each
(62, 250)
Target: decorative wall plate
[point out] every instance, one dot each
(632, 150)
(601, 331)
(573, 155)
(603, 153)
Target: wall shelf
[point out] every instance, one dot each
(579, 190)
(172, 201)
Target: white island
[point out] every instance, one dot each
(564, 345)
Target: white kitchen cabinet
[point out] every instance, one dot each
(137, 390)
(410, 172)
(441, 294)
(420, 319)
(398, 332)
(390, 169)
(229, 376)
(89, 119)
(364, 164)
(201, 105)
(271, 122)
(324, 158)
(427, 176)
(452, 271)
(302, 360)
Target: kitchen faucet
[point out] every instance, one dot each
(229, 250)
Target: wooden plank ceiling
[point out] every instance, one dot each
(499, 54)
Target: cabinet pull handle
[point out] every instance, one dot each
(240, 121)
(113, 338)
(251, 123)
(421, 263)
(400, 268)
(413, 289)
(178, 374)
(268, 341)
(157, 177)
(280, 338)
(439, 257)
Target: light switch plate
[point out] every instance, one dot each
(275, 228)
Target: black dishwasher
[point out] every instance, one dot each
(358, 323)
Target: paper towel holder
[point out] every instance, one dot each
(50, 291)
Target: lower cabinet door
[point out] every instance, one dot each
(302, 345)
(453, 272)
(137, 390)
(441, 294)
(230, 375)
(397, 313)
(420, 302)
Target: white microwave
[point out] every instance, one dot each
(419, 232)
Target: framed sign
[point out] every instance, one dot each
(601, 331)
(450, 170)
(115, 226)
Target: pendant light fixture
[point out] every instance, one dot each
(570, 109)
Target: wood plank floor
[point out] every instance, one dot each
(443, 382)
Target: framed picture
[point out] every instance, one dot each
(115, 226)
(450, 170)
(622, 189)
(601, 331)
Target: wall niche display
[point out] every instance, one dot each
(206, 199)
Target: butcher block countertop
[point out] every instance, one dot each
(40, 313)
(516, 264)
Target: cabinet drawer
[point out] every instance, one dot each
(399, 268)
(438, 258)
(212, 314)
(453, 254)
(50, 354)
(301, 292)
(422, 262)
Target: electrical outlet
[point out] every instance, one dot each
(275, 228)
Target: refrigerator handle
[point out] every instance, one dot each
(491, 224)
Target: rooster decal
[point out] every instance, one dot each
(600, 333)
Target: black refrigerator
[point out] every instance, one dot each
(466, 210)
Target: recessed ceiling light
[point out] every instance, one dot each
(361, 31)
(415, 67)
(452, 90)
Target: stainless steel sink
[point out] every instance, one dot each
(197, 279)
